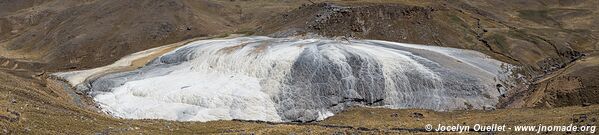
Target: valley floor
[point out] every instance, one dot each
(31, 104)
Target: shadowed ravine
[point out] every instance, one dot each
(289, 79)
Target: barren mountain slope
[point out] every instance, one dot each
(84, 34)
(556, 41)
(94, 32)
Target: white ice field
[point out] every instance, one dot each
(291, 79)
